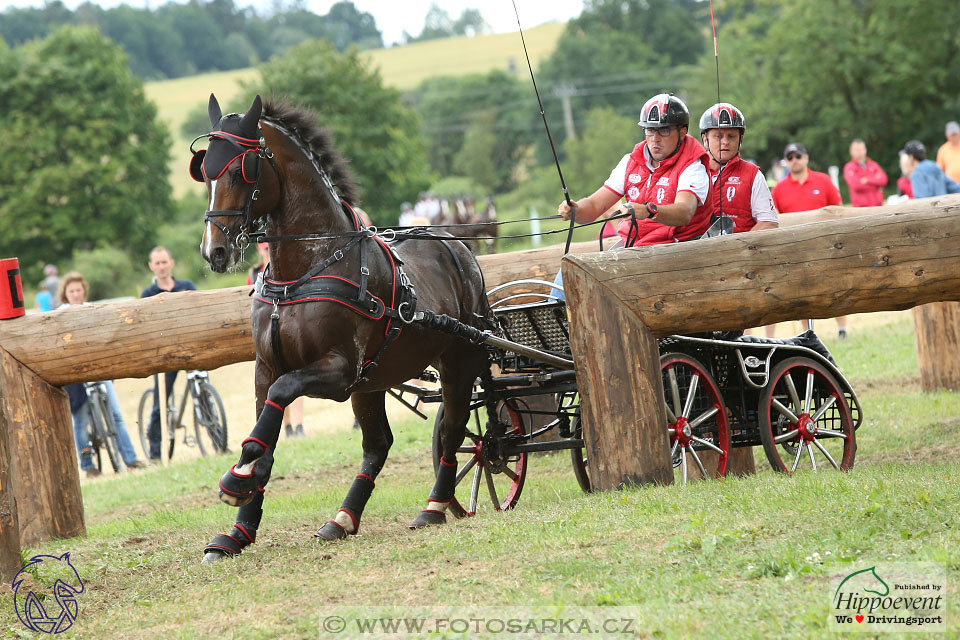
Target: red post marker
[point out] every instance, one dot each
(11, 289)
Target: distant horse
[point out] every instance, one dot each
(471, 224)
(330, 316)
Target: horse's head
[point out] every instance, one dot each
(242, 187)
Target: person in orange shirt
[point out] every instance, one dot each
(948, 156)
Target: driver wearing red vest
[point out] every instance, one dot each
(740, 191)
(664, 181)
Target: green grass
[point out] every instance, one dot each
(739, 558)
(400, 67)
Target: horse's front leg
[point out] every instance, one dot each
(371, 413)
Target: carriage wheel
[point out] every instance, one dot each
(803, 406)
(502, 476)
(696, 417)
(569, 403)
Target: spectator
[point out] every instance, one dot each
(926, 177)
(51, 281)
(803, 189)
(162, 264)
(904, 188)
(74, 291)
(948, 155)
(43, 301)
(864, 177)
(293, 413)
(806, 190)
(664, 181)
(406, 215)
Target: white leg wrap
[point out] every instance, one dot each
(437, 506)
(344, 521)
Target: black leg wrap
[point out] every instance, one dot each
(357, 498)
(445, 486)
(267, 429)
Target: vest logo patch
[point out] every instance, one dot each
(816, 192)
(661, 194)
(634, 193)
(731, 191)
(634, 178)
(663, 181)
(733, 180)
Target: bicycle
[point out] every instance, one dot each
(209, 417)
(102, 429)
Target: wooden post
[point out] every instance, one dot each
(619, 374)
(9, 524)
(937, 332)
(35, 418)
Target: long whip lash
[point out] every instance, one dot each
(566, 194)
(716, 56)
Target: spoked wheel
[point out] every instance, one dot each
(696, 418)
(487, 466)
(804, 409)
(209, 421)
(102, 421)
(569, 403)
(143, 420)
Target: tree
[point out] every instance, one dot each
(591, 156)
(476, 157)
(371, 126)
(87, 160)
(823, 74)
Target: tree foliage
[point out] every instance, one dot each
(183, 39)
(439, 24)
(87, 163)
(825, 73)
(371, 126)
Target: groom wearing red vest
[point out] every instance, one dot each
(740, 191)
(664, 181)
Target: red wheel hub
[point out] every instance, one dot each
(682, 431)
(807, 427)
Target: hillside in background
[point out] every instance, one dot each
(400, 67)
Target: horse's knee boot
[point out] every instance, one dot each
(240, 483)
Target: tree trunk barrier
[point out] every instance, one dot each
(897, 258)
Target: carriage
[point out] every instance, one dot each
(722, 391)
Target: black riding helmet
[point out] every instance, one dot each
(664, 110)
(723, 115)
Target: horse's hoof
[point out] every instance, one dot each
(428, 517)
(236, 488)
(330, 531)
(211, 557)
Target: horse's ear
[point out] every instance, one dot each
(252, 117)
(214, 110)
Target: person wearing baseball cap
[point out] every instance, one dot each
(803, 189)
(926, 177)
(948, 155)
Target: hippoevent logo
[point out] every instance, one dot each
(45, 594)
(889, 597)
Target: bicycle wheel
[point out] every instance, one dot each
(143, 421)
(102, 421)
(209, 420)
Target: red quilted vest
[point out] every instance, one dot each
(660, 187)
(734, 193)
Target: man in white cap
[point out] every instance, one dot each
(948, 156)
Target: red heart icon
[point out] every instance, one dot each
(859, 618)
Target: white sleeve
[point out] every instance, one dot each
(618, 176)
(761, 202)
(695, 179)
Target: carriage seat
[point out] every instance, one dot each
(807, 339)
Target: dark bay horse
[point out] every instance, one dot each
(331, 316)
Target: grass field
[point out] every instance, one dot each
(738, 558)
(400, 67)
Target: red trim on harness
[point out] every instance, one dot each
(245, 532)
(363, 475)
(325, 299)
(257, 440)
(244, 142)
(273, 404)
(356, 523)
(393, 289)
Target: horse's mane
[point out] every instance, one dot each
(303, 123)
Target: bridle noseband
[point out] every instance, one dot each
(245, 146)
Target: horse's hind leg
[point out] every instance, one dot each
(456, 412)
(377, 438)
